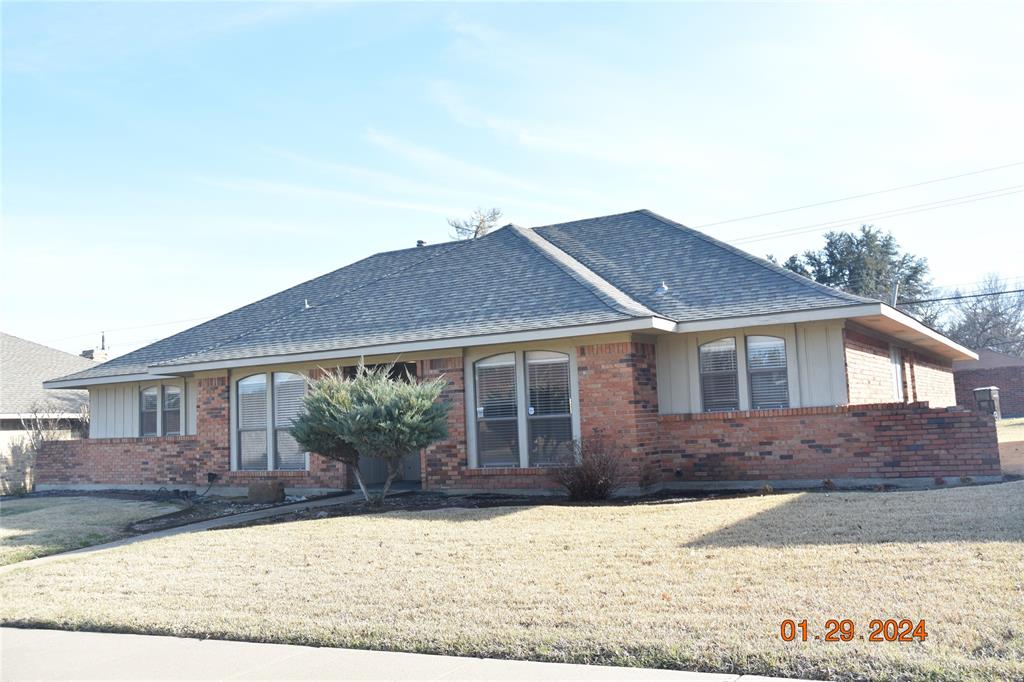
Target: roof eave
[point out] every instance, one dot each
(628, 325)
(86, 382)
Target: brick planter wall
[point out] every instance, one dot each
(893, 440)
(1010, 381)
(172, 460)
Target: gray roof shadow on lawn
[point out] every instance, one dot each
(873, 518)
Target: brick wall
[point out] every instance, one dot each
(619, 400)
(868, 369)
(173, 460)
(931, 380)
(1010, 381)
(893, 440)
(444, 464)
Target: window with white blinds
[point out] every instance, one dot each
(267, 404)
(549, 410)
(289, 390)
(522, 406)
(149, 404)
(719, 382)
(172, 411)
(497, 423)
(252, 423)
(766, 369)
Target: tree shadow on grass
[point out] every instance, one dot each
(991, 513)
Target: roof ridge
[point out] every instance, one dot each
(766, 264)
(602, 289)
(251, 330)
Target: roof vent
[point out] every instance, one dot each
(305, 304)
(661, 289)
(420, 243)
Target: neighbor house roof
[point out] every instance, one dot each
(634, 270)
(24, 366)
(989, 359)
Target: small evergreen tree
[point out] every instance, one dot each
(371, 415)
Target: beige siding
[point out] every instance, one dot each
(814, 353)
(821, 359)
(114, 409)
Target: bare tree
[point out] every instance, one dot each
(989, 317)
(479, 223)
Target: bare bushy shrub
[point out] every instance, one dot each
(591, 470)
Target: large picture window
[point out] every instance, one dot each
(497, 423)
(523, 414)
(549, 413)
(719, 382)
(766, 368)
(289, 390)
(266, 405)
(252, 423)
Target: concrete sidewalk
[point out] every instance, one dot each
(208, 524)
(60, 655)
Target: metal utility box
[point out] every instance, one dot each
(987, 400)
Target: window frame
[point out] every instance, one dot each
(737, 345)
(269, 424)
(473, 355)
(785, 332)
(752, 372)
(896, 363)
(159, 387)
(164, 410)
(158, 417)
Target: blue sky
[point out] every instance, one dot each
(167, 162)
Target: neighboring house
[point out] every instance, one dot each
(23, 368)
(703, 365)
(992, 368)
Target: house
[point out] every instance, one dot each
(992, 368)
(24, 366)
(704, 365)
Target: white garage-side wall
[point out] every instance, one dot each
(815, 362)
(114, 408)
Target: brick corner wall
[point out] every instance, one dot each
(1009, 380)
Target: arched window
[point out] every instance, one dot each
(149, 404)
(766, 367)
(719, 384)
(252, 423)
(497, 424)
(172, 411)
(289, 389)
(267, 404)
(549, 410)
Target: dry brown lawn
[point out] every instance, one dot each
(692, 585)
(1011, 445)
(37, 526)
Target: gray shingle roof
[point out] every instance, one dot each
(24, 366)
(705, 278)
(585, 272)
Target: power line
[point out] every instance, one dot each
(957, 298)
(891, 213)
(861, 196)
(123, 329)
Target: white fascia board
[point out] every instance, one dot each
(637, 324)
(914, 325)
(840, 312)
(96, 381)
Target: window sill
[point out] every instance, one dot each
(509, 471)
(243, 473)
(144, 439)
